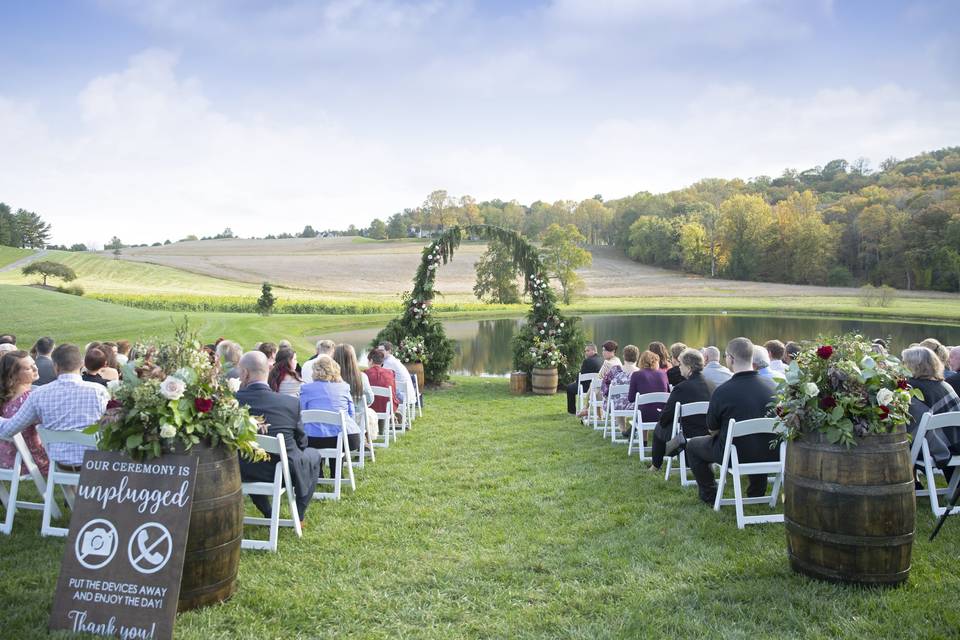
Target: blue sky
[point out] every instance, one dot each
(159, 119)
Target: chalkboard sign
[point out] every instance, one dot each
(120, 574)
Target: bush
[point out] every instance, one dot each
(886, 295)
(73, 289)
(839, 276)
(868, 295)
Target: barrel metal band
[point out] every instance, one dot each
(847, 539)
(905, 487)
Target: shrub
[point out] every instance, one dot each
(839, 276)
(73, 289)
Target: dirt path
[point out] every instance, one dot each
(22, 262)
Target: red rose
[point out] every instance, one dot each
(779, 411)
(114, 404)
(903, 384)
(828, 402)
(825, 352)
(884, 412)
(203, 405)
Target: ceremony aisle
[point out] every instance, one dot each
(502, 517)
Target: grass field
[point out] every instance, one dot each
(12, 254)
(513, 521)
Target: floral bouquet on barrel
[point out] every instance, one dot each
(170, 395)
(412, 349)
(844, 388)
(545, 354)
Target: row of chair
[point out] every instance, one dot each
(281, 486)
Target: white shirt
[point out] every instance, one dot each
(777, 366)
(306, 370)
(403, 376)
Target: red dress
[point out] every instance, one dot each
(8, 451)
(380, 377)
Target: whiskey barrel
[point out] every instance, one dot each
(544, 381)
(518, 383)
(850, 514)
(416, 369)
(216, 530)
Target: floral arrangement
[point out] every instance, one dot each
(412, 349)
(418, 310)
(173, 395)
(545, 354)
(844, 388)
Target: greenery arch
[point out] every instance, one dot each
(544, 319)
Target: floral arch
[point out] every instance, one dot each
(543, 321)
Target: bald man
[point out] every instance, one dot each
(282, 414)
(953, 379)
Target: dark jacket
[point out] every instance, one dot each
(938, 397)
(693, 389)
(45, 369)
(282, 414)
(743, 397)
(591, 365)
(953, 380)
(674, 377)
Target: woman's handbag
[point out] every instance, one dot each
(676, 444)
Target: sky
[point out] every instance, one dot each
(155, 119)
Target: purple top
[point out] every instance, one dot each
(648, 381)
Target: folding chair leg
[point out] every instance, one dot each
(347, 458)
(11, 498)
(737, 495)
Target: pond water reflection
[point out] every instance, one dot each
(483, 346)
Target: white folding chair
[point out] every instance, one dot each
(281, 484)
(581, 393)
(66, 479)
(339, 454)
(10, 498)
(684, 411)
(920, 454)
(416, 390)
(615, 392)
(366, 449)
(732, 465)
(639, 428)
(412, 400)
(389, 426)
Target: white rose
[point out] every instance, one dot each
(884, 397)
(811, 389)
(172, 388)
(234, 384)
(167, 431)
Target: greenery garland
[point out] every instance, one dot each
(544, 321)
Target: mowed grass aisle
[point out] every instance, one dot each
(502, 517)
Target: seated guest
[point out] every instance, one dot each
(694, 388)
(228, 355)
(620, 375)
(713, 372)
(93, 363)
(938, 396)
(649, 378)
(381, 377)
(745, 396)
(6, 347)
(610, 360)
(591, 364)
(66, 404)
(123, 352)
(941, 351)
(17, 375)
(109, 369)
(404, 382)
(282, 415)
(43, 347)
(790, 352)
(880, 346)
(761, 364)
(8, 338)
(661, 350)
(283, 373)
(674, 377)
(954, 378)
(329, 392)
(270, 350)
(776, 350)
(345, 356)
(324, 348)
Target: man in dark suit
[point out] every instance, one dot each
(282, 414)
(592, 362)
(953, 379)
(44, 348)
(745, 396)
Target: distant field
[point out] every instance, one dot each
(12, 254)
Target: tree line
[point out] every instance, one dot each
(22, 229)
(840, 224)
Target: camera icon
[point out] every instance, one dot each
(97, 542)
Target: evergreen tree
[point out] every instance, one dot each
(497, 275)
(266, 301)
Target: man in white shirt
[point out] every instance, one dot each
(390, 361)
(324, 348)
(66, 404)
(713, 372)
(776, 350)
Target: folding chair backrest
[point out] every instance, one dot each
(323, 416)
(48, 437)
(693, 409)
(741, 428)
(271, 444)
(587, 377)
(384, 392)
(931, 422)
(660, 397)
(618, 390)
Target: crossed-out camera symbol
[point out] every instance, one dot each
(148, 551)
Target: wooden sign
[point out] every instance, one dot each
(120, 574)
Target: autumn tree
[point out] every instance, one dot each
(562, 256)
(497, 275)
(745, 222)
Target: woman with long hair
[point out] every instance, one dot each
(283, 376)
(345, 356)
(18, 372)
(661, 350)
(329, 392)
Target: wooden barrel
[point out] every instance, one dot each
(518, 383)
(850, 514)
(216, 529)
(544, 381)
(416, 369)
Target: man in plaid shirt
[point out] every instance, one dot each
(66, 404)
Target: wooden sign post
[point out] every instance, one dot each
(121, 569)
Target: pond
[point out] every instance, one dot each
(483, 346)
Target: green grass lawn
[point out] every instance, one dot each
(502, 517)
(12, 254)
